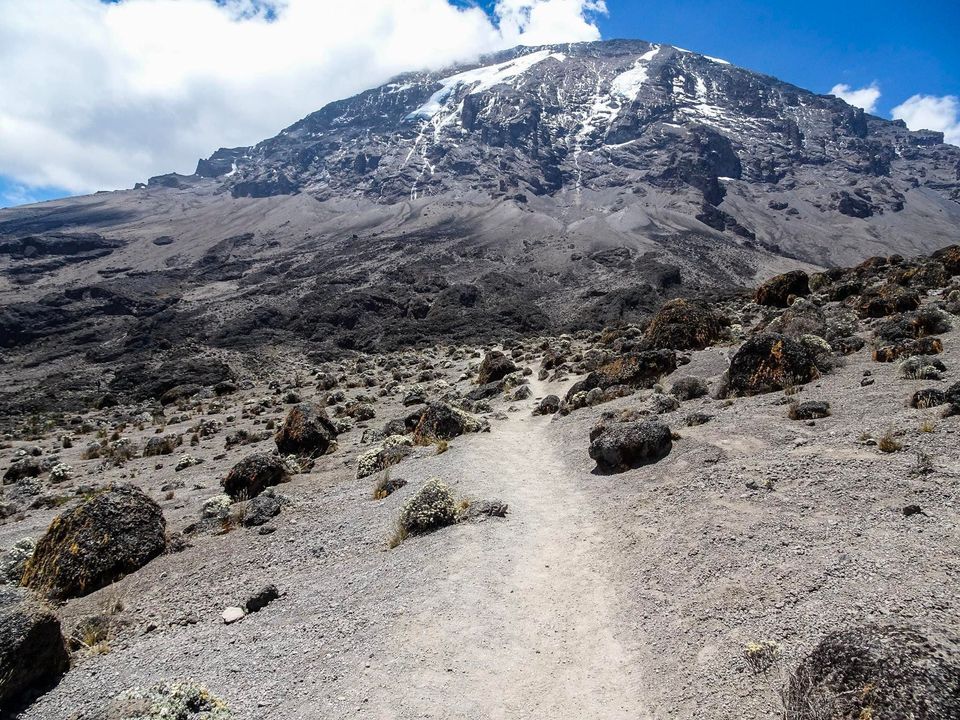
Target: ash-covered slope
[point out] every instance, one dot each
(541, 189)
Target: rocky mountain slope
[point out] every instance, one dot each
(540, 190)
(744, 509)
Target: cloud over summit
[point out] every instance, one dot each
(865, 97)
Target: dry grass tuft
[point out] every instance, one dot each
(888, 443)
(400, 533)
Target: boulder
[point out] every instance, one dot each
(261, 509)
(23, 467)
(626, 445)
(923, 276)
(495, 366)
(33, 653)
(260, 599)
(142, 382)
(887, 300)
(637, 370)
(685, 325)
(922, 346)
(161, 445)
(876, 671)
(801, 318)
(306, 431)
(252, 475)
(922, 367)
(547, 406)
(809, 410)
(482, 510)
(778, 290)
(950, 257)
(179, 393)
(922, 323)
(112, 534)
(769, 362)
(440, 421)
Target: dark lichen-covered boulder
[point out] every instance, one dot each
(801, 318)
(809, 410)
(685, 325)
(547, 406)
(950, 257)
(927, 398)
(887, 300)
(777, 291)
(113, 533)
(440, 421)
(306, 431)
(922, 323)
(495, 366)
(33, 653)
(894, 351)
(254, 474)
(876, 672)
(625, 445)
(923, 276)
(638, 369)
(770, 362)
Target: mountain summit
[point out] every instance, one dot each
(543, 188)
(576, 125)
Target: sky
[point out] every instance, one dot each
(100, 94)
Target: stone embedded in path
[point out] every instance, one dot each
(232, 615)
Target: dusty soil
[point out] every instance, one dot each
(599, 596)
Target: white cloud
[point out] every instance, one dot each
(865, 97)
(96, 95)
(929, 112)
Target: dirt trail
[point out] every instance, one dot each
(519, 622)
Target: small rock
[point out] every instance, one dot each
(261, 599)
(232, 614)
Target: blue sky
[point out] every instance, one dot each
(905, 47)
(114, 92)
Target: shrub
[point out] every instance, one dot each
(761, 655)
(689, 388)
(431, 508)
(888, 443)
(874, 673)
(169, 701)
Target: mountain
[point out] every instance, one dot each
(540, 189)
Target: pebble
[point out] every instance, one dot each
(232, 614)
